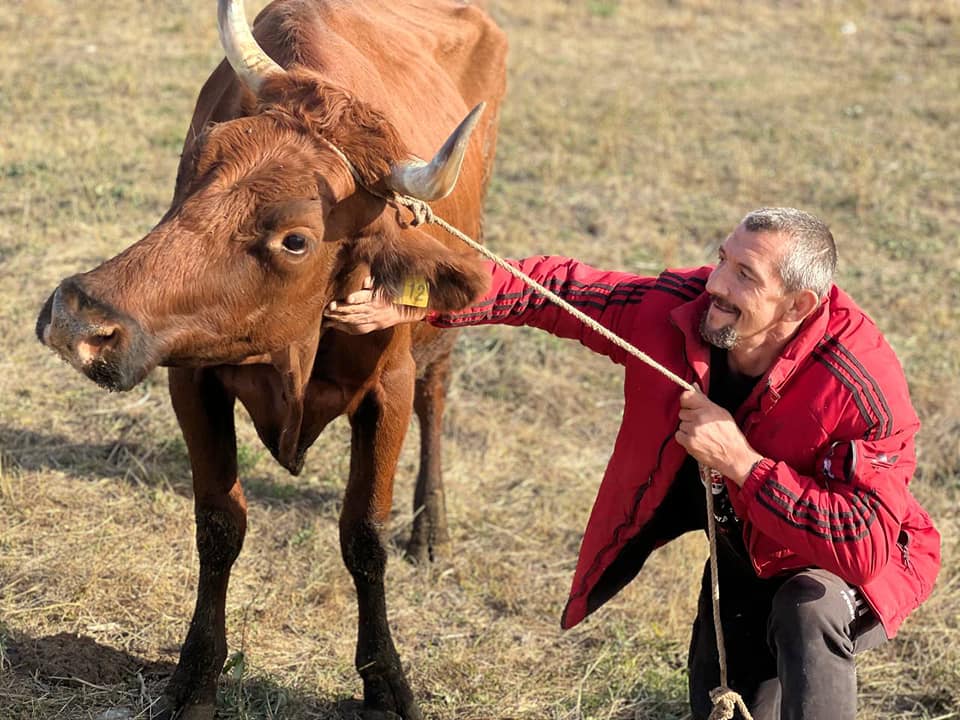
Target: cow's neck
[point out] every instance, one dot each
(294, 364)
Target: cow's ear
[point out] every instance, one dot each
(400, 258)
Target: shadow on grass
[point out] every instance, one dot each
(662, 706)
(160, 465)
(662, 694)
(923, 704)
(97, 680)
(69, 659)
(264, 698)
(669, 702)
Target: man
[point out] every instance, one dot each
(807, 427)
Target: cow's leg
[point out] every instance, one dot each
(379, 424)
(205, 412)
(429, 503)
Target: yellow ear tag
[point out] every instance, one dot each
(416, 292)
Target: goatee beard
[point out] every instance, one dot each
(725, 338)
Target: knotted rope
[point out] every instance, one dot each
(725, 701)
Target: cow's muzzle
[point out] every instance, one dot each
(107, 346)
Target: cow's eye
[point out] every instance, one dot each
(296, 244)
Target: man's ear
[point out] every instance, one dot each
(804, 302)
(398, 257)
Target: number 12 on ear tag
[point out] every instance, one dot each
(416, 292)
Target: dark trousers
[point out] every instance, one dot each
(790, 643)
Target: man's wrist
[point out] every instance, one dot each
(744, 467)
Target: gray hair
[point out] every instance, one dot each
(810, 260)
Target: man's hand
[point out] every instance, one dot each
(365, 310)
(710, 435)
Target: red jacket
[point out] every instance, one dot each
(832, 416)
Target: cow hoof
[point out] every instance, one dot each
(417, 553)
(387, 696)
(353, 710)
(421, 552)
(198, 712)
(167, 710)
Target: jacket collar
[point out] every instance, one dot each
(802, 344)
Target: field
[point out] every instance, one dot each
(634, 136)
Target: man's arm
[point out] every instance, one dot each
(845, 519)
(605, 296)
(847, 522)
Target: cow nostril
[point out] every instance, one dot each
(92, 347)
(103, 337)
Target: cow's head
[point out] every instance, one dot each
(266, 224)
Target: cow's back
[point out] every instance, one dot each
(401, 54)
(423, 64)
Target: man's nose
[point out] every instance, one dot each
(716, 284)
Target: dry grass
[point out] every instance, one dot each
(634, 135)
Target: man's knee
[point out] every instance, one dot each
(812, 608)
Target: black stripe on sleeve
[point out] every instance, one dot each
(857, 391)
(801, 519)
(848, 354)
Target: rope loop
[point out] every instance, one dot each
(421, 211)
(725, 703)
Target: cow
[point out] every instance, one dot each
(300, 142)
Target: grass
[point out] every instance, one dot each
(634, 136)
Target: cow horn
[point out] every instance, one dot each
(436, 179)
(245, 55)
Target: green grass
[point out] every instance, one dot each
(634, 135)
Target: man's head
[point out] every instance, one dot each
(772, 272)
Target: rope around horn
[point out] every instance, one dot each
(725, 700)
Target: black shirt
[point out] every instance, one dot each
(729, 390)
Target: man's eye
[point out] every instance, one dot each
(296, 244)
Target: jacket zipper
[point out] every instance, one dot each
(904, 553)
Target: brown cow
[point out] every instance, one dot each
(267, 225)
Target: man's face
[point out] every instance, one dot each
(748, 297)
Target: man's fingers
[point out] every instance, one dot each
(350, 328)
(692, 399)
(345, 310)
(694, 414)
(360, 296)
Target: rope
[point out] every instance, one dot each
(725, 701)
(423, 213)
